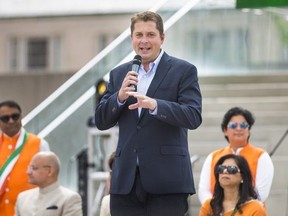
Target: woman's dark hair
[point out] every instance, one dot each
(246, 191)
(234, 112)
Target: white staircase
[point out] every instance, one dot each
(266, 96)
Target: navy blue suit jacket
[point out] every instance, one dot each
(159, 141)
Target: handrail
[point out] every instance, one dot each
(279, 143)
(194, 159)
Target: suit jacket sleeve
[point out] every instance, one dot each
(73, 206)
(177, 93)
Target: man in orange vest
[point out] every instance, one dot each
(236, 126)
(17, 148)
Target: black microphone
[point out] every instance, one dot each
(135, 66)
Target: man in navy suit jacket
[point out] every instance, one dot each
(152, 172)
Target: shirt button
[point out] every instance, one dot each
(6, 201)
(10, 146)
(7, 189)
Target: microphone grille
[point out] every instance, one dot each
(137, 59)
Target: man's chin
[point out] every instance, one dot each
(31, 182)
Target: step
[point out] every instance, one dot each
(255, 105)
(263, 117)
(280, 181)
(203, 148)
(259, 132)
(245, 78)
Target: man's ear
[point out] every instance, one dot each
(162, 37)
(51, 171)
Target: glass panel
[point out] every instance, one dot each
(231, 41)
(69, 139)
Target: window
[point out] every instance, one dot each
(37, 56)
(32, 54)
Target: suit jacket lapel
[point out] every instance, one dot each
(161, 72)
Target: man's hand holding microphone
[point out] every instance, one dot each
(129, 88)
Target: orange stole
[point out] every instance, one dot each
(17, 180)
(253, 207)
(249, 152)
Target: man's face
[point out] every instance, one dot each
(13, 125)
(147, 41)
(237, 136)
(38, 172)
